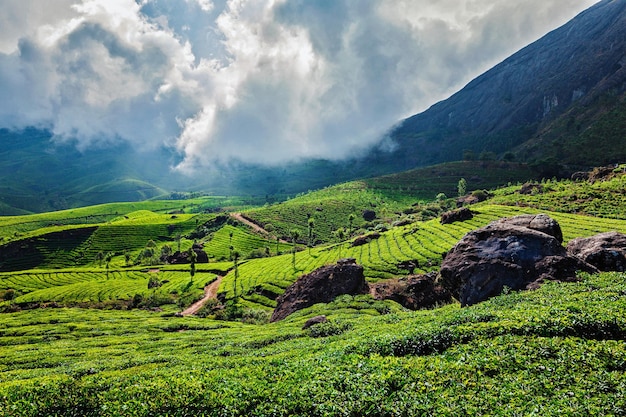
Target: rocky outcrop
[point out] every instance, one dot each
(516, 253)
(321, 286)
(364, 240)
(414, 292)
(540, 222)
(178, 258)
(459, 215)
(605, 251)
(531, 188)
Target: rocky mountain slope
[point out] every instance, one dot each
(559, 103)
(576, 72)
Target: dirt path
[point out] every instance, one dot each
(254, 226)
(210, 291)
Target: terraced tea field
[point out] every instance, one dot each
(261, 280)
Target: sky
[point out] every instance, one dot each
(258, 81)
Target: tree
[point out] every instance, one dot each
(100, 258)
(311, 227)
(236, 266)
(294, 238)
(192, 257)
(178, 237)
(107, 261)
(509, 156)
(462, 187)
(350, 221)
(166, 251)
(341, 235)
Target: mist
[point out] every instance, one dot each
(261, 82)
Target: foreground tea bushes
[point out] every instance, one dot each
(555, 351)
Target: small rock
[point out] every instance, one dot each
(313, 321)
(459, 215)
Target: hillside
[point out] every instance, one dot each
(106, 339)
(557, 104)
(562, 94)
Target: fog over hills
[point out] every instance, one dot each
(549, 100)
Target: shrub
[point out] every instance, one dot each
(329, 328)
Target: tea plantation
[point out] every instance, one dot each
(90, 322)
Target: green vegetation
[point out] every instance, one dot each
(556, 351)
(90, 324)
(601, 198)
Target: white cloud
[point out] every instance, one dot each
(262, 81)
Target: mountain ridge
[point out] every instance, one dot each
(513, 100)
(559, 104)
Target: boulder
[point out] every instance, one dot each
(605, 251)
(364, 240)
(414, 292)
(369, 215)
(459, 215)
(540, 222)
(313, 321)
(507, 253)
(321, 286)
(531, 188)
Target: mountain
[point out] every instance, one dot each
(559, 104)
(563, 89)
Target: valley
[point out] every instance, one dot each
(232, 220)
(85, 335)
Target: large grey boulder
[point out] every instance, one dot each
(605, 251)
(321, 286)
(541, 222)
(514, 253)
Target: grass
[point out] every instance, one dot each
(551, 352)
(555, 351)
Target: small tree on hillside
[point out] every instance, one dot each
(107, 261)
(294, 238)
(462, 187)
(236, 266)
(350, 221)
(311, 227)
(341, 235)
(100, 258)
(192, 257)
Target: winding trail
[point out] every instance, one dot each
(210, 291)
(254, 226)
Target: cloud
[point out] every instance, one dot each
(264, 81)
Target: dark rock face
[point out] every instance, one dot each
(321, 286)
(459, 215)
(414, 292)
(605, 251)
(525, 92)
(506, 253)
